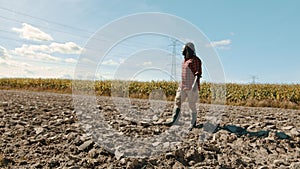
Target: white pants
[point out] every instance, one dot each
(191, 96)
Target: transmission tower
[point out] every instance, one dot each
(253, 77)
(173, 64)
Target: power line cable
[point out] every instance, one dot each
(83, 37)
(117, 52)
(46, 20)
(55, 30)
(18, 21)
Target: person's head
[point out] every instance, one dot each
(188, 50)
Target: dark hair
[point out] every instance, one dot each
(188, 52)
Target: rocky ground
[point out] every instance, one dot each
(42, 130)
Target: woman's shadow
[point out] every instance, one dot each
(240, 131)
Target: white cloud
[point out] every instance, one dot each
(43, 52)
(46, 56)
(32, 33)
(41, 48)
(11, 63)
(42, 57)
(221, 44)
(122, 60)
(66, 48)
(29, 51)
(70, 60)
(29, 72)
(67, 76)
(104, 75)
(149, 63)
(110, 62)
(35, 69)
(6, 61)
(3, 62)
(4, 54)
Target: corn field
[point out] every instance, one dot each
(263, 95)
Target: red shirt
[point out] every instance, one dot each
(190, 67)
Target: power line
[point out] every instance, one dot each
(20, 40)
(138, 43)
(36, 43)
(135, 43)
(60, 24)
(46, 20)
(83, 37)
(119, 53)
(87, 48)
(17, 40)
(55, 30)
(56, 23)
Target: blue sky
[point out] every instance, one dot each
(252, 38)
